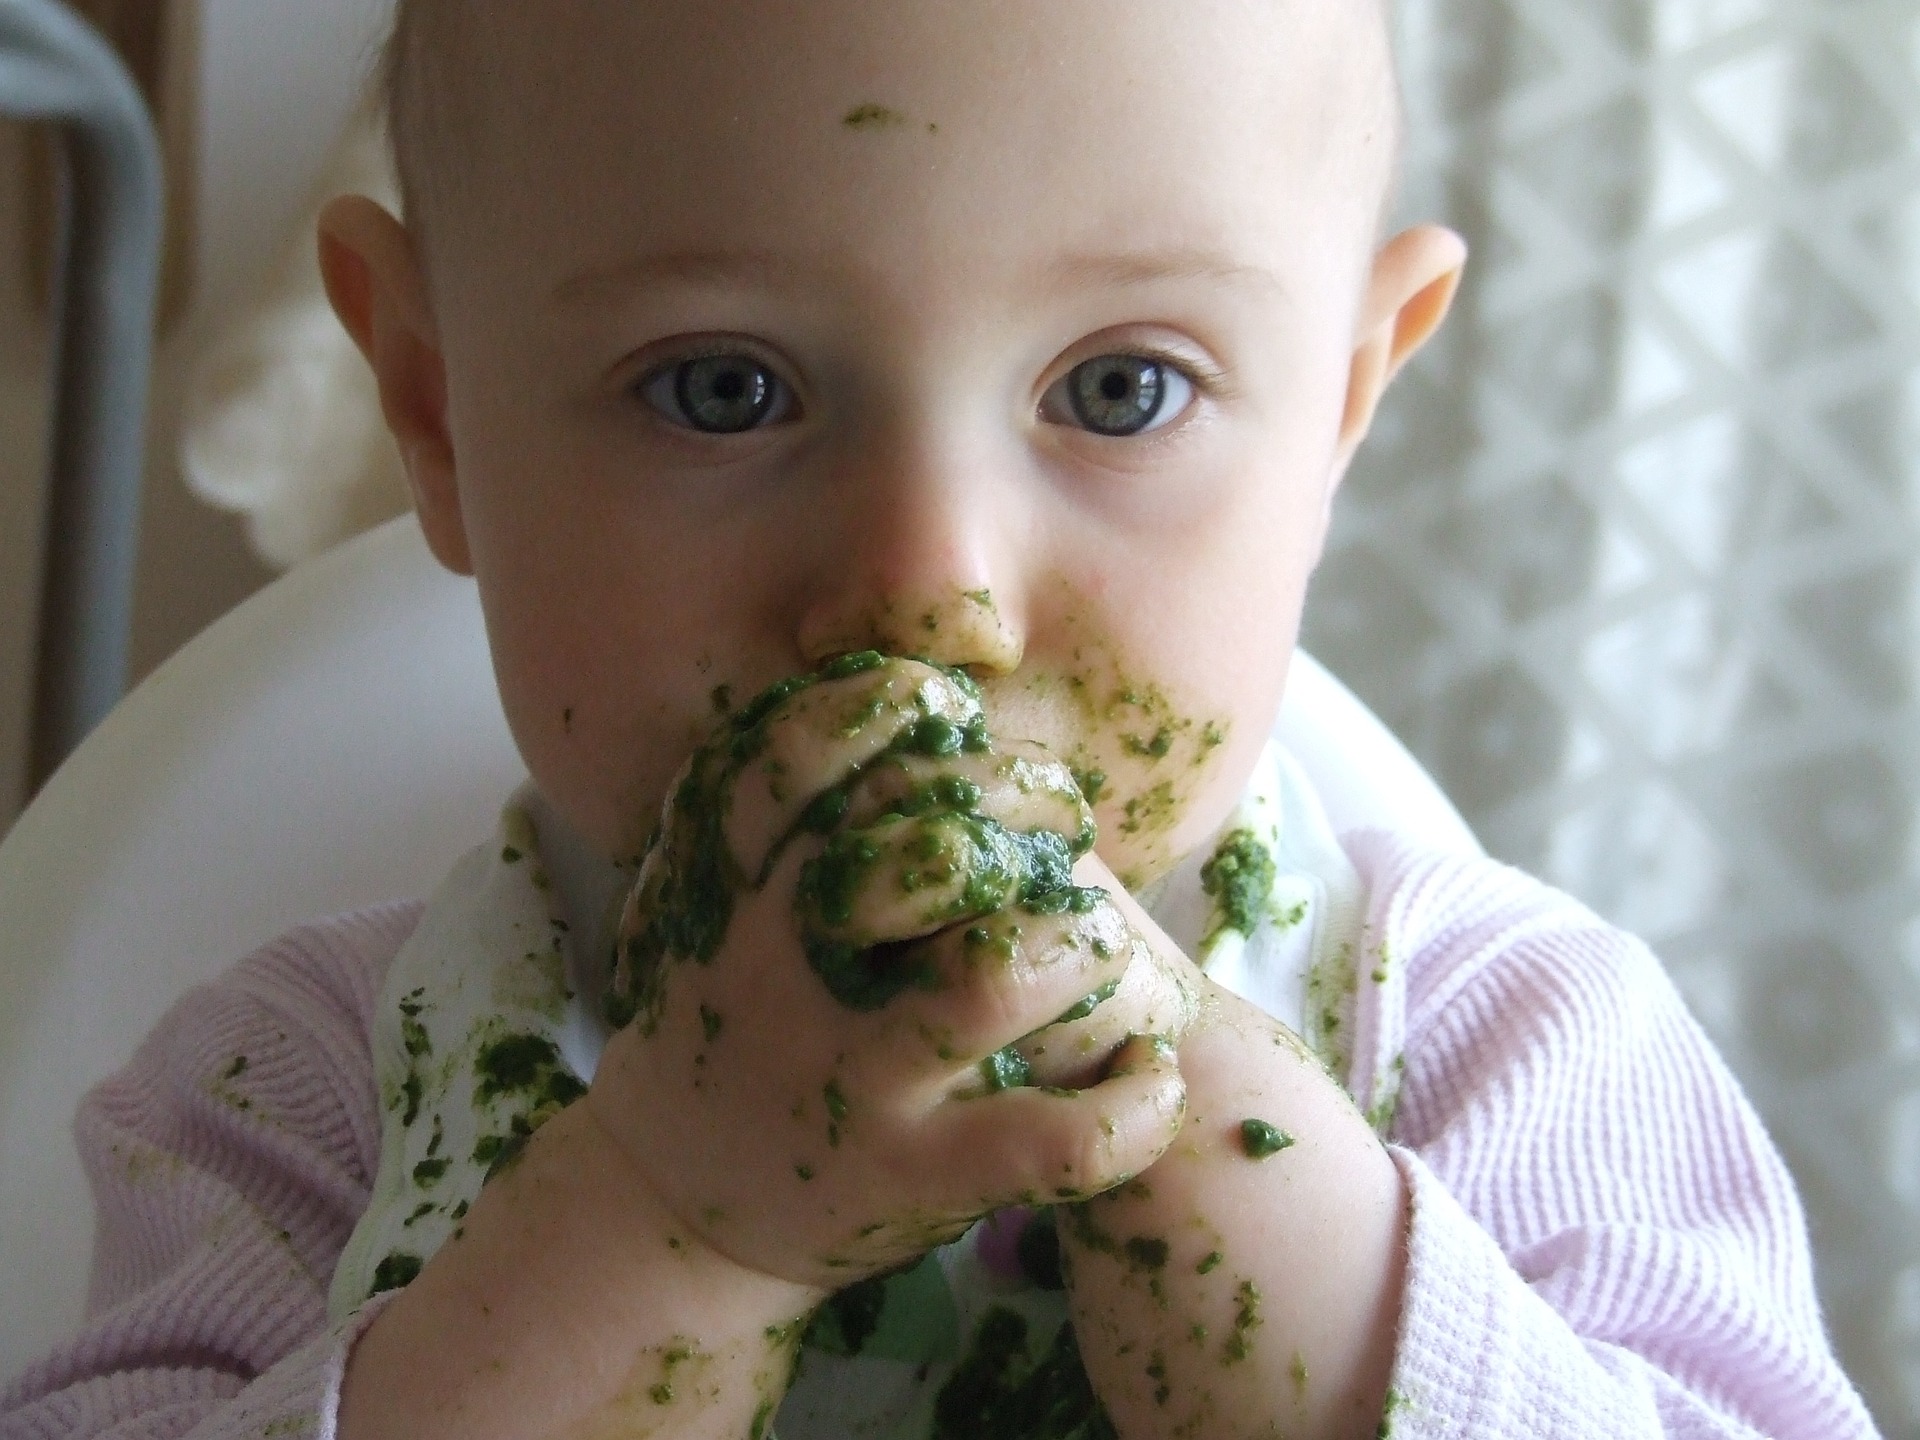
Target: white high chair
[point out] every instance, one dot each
(334, 741)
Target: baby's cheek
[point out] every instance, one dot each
(605, 767)
(1159, 775)
(1153, 807)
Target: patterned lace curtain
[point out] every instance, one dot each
(1632, 561)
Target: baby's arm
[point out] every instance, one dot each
(1251, 1278)
(228, 1161)
(575, 1304)
(1603, 1240)
(1599, 1239)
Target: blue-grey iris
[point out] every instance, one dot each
(723, 394)
(1117, 394)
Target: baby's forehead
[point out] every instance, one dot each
(462, 77)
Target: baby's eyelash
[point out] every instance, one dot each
(1205, 378)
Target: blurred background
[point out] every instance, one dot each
(1632, 562)
(1633, 559)
(250, 98)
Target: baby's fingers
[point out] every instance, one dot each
(1149, 998)
(1011, 972)
(1020, 784)
(1055, 1145)
(795, 748)
(903, 878)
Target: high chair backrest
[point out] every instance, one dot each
(334, 741)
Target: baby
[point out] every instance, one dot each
(892, 442)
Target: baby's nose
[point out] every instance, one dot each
(921, 549)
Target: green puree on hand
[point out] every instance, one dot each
(954, 838)
(696, 877)
(1259, 1139)
(952, 844)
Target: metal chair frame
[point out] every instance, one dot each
(55, 68)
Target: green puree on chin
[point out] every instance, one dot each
(693, 896)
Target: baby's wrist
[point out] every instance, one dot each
(650, 1227)
(1262, 1255)
(574, 1294)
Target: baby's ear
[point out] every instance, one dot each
(1415, 276)
(373, 277)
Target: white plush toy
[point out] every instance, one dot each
(282, 423)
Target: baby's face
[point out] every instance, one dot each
(1013, 336)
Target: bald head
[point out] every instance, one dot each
(443, 70)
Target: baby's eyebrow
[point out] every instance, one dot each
(767, 270)
(1147, 267)
(712, 269)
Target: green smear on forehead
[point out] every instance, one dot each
(872, 116)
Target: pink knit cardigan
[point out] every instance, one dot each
(1603, 1242)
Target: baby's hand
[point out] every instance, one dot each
(855, 906)
(965, 801)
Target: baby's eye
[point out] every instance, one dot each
(717, 394)
(1119, 395)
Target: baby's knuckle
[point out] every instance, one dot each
(997, 1002)
(902, 878)
(803, 738)
(1087, 1156)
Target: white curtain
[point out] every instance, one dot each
(1633, 560)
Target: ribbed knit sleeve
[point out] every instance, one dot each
(1603, 1240)
(229, 1162)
